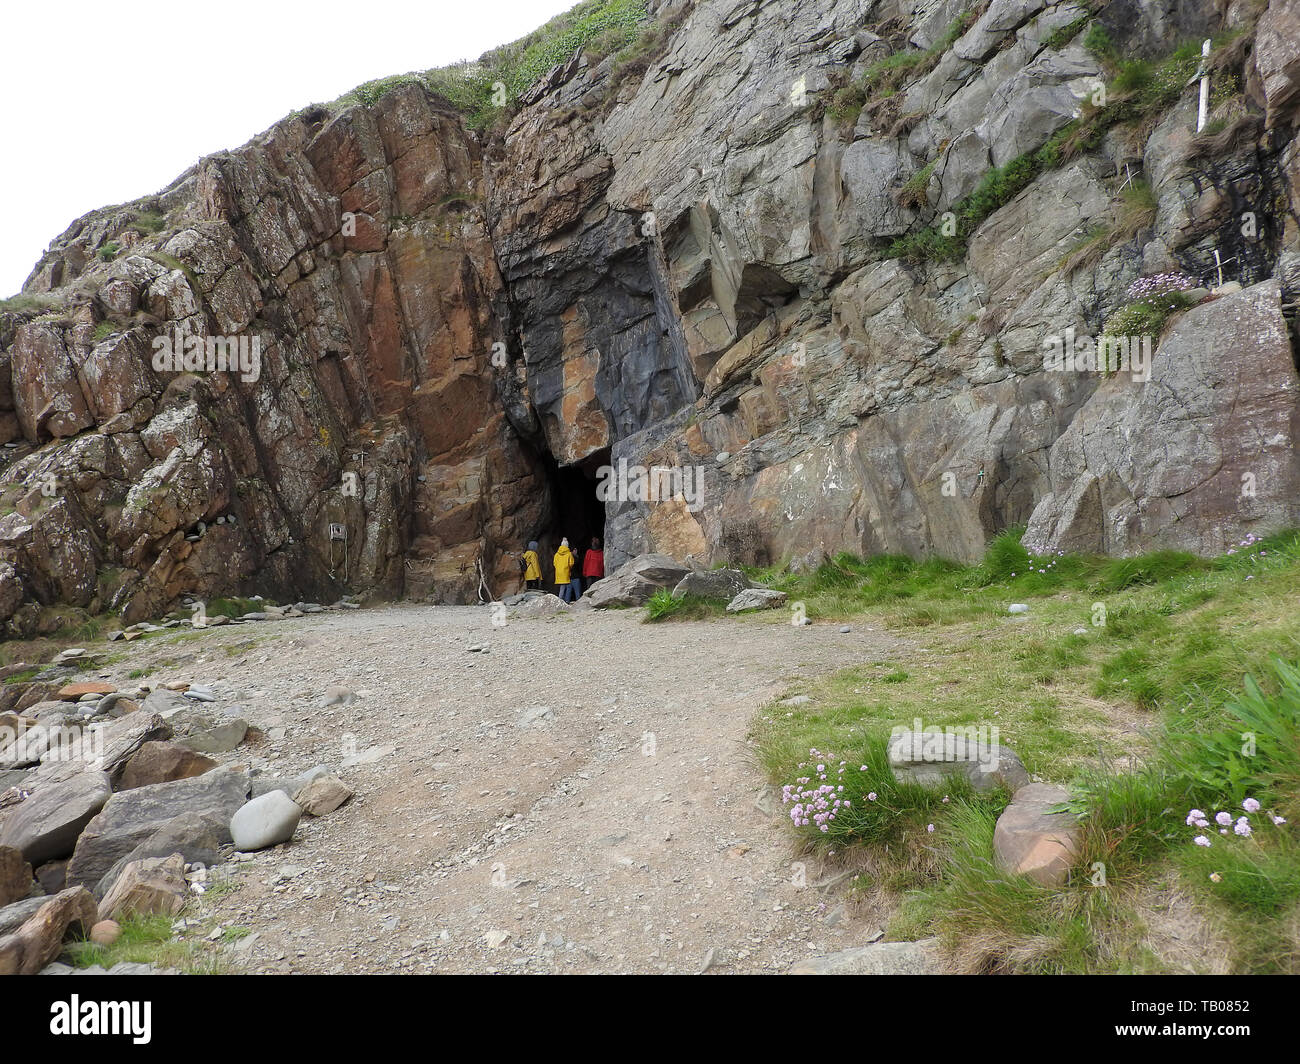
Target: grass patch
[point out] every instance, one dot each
(1148, 686)
(664, 606)
(149, 940)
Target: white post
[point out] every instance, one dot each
(1204, 112)
(1218, 266)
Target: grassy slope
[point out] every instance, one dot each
(1117, 682)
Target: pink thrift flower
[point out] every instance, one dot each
(1201, 840)
(1250, 805)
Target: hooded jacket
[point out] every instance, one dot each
(564, 562)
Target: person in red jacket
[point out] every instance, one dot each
(593, 564)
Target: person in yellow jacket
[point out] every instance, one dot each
(564, 563)
(532, 568)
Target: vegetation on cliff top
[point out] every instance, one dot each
(487, 89)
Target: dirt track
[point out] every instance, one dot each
(622, 831)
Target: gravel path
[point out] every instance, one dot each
(583, 786)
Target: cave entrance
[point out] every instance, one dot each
(577, 513)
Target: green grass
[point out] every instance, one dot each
(23, 302)
(1059, 38)
(1131, 681)
(663, 606)
(596, 27)
(149, 940)
(1138, 93)
(233, 607)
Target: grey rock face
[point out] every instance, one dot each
(1178, 461)
(685, 272)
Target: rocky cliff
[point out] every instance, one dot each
(812, 255)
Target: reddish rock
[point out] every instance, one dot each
(106, 932)
(1030, 841)
(147, 887)
(160, 762)
(73, 691)
(40, 940)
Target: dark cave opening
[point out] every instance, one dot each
(576, 513)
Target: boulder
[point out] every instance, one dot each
(40, 939)
(713, 583)
(931, 758)
(106, 932)
(197, 838)
(147, 887)
(323, 795)
(107, 746)
(157, 762)
(131, 817)
(74, 691)
(879, 958)
(265, 821)
(47, 825)
(164, 702)
(1031, 841)
(756, 598)
(53, 876)
(207, 733)
(634, 583)
(1112, 488)
(16, 880)
(14, 915)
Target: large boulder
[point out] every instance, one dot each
(157, 762)
(107, 746)
(1031, 839)
(634, 583)
(131, 817)
(147, 887)
(1193, 459)
(265, 821)
(931, 758)
(40, 939)
(756, 598)
(197, 838)
(47, 825)
(713, 583)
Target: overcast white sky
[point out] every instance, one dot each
(105, 102)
